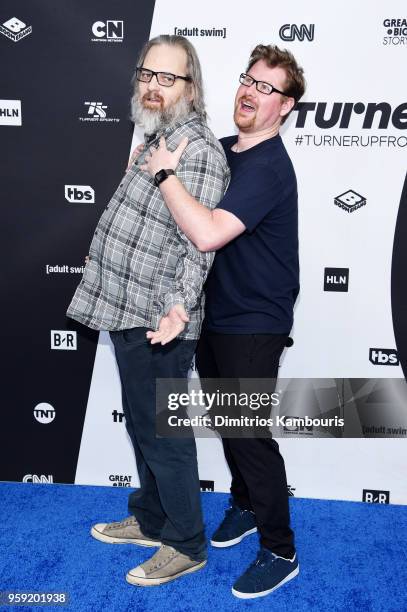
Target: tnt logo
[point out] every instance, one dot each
(336, 279)
(63, 340)
(381, 356)
(376, 497)
(15, 29)
(108, 31)
(350, 201)
(207, 485)
(38, 479)
(96, 108)
(44, 413)
(117, 416)
(290, 32)
(79, 194)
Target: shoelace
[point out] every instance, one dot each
(264, 556)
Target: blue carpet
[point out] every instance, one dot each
(352, 555)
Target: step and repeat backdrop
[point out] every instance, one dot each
(65, 140)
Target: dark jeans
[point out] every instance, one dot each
(258, 473)
(168, 504)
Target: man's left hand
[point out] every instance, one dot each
(161, 158)
(170, 326)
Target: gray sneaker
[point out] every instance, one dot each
(126, 531)
(165, 565)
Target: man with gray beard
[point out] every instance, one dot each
(142, 276)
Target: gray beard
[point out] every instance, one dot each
(154, 121)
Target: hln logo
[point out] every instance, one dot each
(79, 194)
(382, 356)
(376, 497)
(38, 479)
(10, 112)
(44, 413)
(63, 340)
(290, 31)
(336, 279)
(207, 485)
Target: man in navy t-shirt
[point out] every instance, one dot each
(250, 295)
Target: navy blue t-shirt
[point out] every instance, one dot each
(254, 280)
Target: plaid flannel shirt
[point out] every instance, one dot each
(140, 263)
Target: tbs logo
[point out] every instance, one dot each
(376, 497)
(79, 194)
(107, 31)
(381, 356)
(63, 340)
(336, 279)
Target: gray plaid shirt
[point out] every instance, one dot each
(140, 263)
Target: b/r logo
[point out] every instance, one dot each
(15, 29)
(79, 194)
(108, 31)
(376, 497)
(63, 340)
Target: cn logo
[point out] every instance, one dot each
(79, 194)
(63, 340)
(15, 29)
(290, 31)
(382, 356)
(336, 279)
(111, 30)
(44, 413)
(207, 485)
(38, 479)
(376, 497)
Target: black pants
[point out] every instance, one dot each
(168, 503)
(258, 473)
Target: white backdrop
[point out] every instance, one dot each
(346, 62)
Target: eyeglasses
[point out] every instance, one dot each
(261, 86)
(166, 79)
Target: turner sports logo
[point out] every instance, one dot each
(396, 30)
(15, 29)
(96, 113)
(10, 112)
(110, 31)
(376, 497)
(382, 356)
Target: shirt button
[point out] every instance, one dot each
(96, 233)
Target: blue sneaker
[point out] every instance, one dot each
(236, 525)
(265, 575)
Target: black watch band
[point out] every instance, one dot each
(161, 176)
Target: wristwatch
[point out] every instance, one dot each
(161, 176)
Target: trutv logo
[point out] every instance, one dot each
(376, 497)
(382, 356)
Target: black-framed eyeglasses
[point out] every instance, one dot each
(166, 79)
(261, 86)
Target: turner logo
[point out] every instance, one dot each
(97, 113)
(382, 356)
(290, 32)
(39, 479)
(336, 279)
(396, 30)
(15, 29)
(378, 115)
(350, 201)
(79, 194)
(108, 31)
(376, 497)
(10, 112)
(117, 416)
(63, 340)
(44, 413)
(207, 485)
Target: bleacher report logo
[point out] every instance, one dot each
(79, 194)
(350, 201)
(15, 29)
(376, 497)
(10, 112)
(336, 279)
(39, 479)
(382, 356)
(44, 413)
(290, 32)
(108, 31)
(63, 340)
